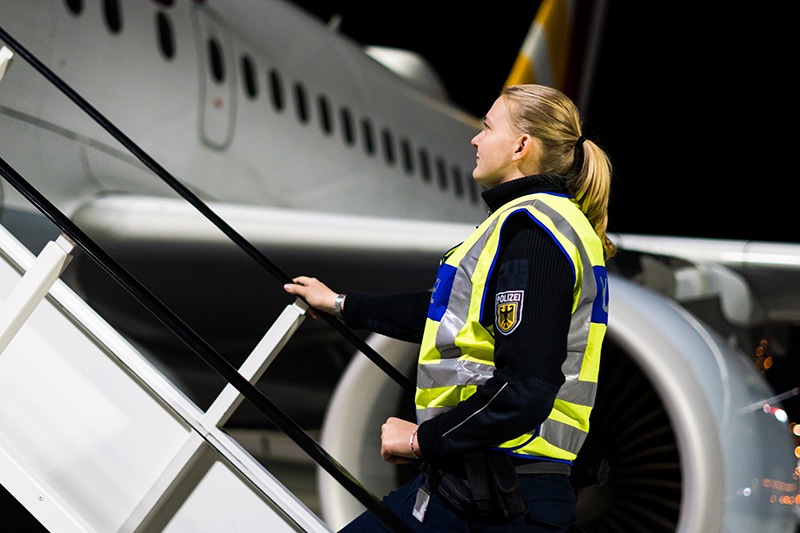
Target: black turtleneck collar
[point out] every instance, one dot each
(505, 192)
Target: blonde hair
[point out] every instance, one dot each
(551, 117)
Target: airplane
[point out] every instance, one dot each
(344, 161)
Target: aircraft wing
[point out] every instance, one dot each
(755, 281)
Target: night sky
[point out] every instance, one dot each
(695, 108)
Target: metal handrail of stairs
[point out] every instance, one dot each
(235, 379)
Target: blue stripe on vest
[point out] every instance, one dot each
(600, 305)
(441, 292)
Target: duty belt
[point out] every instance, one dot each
(544, 467)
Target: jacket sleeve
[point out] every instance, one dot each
(397, 315)
(520, 394)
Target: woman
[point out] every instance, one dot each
(509, 337)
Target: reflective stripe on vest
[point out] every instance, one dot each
(457, 351)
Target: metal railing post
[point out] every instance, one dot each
(33, 287)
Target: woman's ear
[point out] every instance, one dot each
(524, 147)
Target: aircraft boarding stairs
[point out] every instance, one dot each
(94, 438)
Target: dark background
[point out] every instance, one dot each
(695, 106)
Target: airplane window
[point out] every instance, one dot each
(425, 165)
(441, 172)
(388, 146)
(408, 158)
(347, 126)
(276, 89)
(301, 101)
(215, 56)
(458, 182)
(324, 114)
(76, 6)
(367, 134)
(113, 15)
(166, 37)
(249, 71)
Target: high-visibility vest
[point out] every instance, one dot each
(457, 350)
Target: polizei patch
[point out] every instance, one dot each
(508, 310)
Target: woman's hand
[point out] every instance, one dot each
(397, 439)
(313, 291)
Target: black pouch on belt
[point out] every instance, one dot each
(506, 483)
(453, 488)
(456, 490)
(492, 484)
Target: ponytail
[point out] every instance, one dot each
(552, 117)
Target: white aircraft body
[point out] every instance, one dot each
(351, 165)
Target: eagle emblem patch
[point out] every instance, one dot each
(508, 310)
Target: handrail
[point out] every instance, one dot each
(174, 323)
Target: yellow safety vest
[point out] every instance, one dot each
(457, 351)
